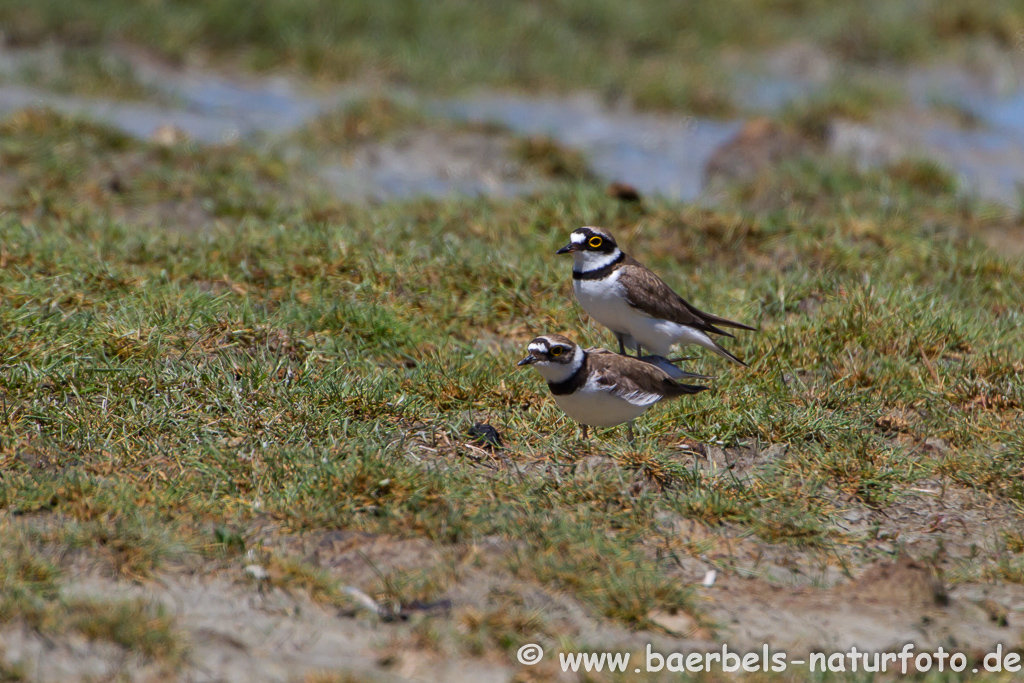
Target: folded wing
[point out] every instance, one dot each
(638, 382)
(650, 294)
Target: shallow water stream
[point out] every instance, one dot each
(657, 154)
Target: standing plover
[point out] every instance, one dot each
(634, 303)
(599, 388)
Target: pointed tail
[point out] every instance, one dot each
(683, 389)
(710, 344)
(724, 353)
(711, 320)
(671, 369)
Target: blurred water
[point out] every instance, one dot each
(209, 108)
(657, 154)
(772, 92)
(137, 119)
(662, 155)
(987, 162)
(384, 183)
(272, 106)
(988, 156)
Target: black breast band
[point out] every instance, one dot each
(599, 273)
(571, 383)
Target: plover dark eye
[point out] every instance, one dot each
(556, 351)
(595, 242)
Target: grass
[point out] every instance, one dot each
(660, 54)
(377, 119)
(552, 159)
(856, 99)
(371, 119)
(86, 71)
(134, 625)
(29, 583)
(162, 388)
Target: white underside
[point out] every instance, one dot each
(597, 407)
(605, 301)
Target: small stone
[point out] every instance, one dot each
(709, 578)
(854, 516)
(624, 192)
(168, 135)
(773, 452)
(936, 444)
(257, 572)
(486, 435)
(677, 624)
(761, 143)
(693, 447)
(893, 421)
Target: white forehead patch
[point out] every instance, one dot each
(577, 237)
(537, 348)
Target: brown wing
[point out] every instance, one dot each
(638, 382)
(666, 365)
(650, 294)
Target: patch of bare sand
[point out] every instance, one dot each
(889, 605)
(238, 629)
(1007, 240)
(853, 592)
(234, 631)
(792, 598)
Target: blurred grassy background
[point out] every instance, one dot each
(661, 54)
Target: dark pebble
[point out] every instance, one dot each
(486, 435)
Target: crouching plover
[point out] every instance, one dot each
(598, 388)
(634, 303)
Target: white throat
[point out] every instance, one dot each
(559, 372)
(589, 261)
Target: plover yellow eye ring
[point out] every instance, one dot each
(595, 242)
(556, 351)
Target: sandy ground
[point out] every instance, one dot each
(241, 627)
